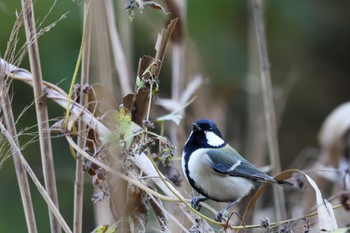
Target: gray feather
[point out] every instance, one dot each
(225, 161)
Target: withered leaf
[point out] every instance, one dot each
(128, 101)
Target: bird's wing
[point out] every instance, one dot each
(228, 161)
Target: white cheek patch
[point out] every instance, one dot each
(213, 139)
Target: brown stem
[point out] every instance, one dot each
(52, 207)
(269, 108)
(20, 172)
(79, 173)
(41, 110)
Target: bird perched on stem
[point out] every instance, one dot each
(216, 170)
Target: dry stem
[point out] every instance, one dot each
(117, 49)
(52, 207)
(269, 108)
(20, 173)
(41, 109)
(79, 173)
(142, 161)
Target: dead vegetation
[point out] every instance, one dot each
(127, 146)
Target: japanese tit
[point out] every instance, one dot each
(216, 170)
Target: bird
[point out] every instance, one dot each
(216, 170)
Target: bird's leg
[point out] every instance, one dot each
(195, 202)
(219, 215)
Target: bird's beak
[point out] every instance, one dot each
(196, 127)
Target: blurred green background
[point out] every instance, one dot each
(308, 43)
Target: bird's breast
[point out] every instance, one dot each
(216, 186)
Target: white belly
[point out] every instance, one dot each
(219, 187)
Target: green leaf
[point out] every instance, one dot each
(105, 229)
(125, 127)
(100, 229)
(139, 83)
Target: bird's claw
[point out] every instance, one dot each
(195, 202)
(218, 217)
(222, 216)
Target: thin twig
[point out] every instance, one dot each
(79, 172)
(269, 109)
(52, 207)
(20, 173)
(41, 109)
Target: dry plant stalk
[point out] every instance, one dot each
(79, 111)
(142, 161)
(117, 50)
(269, 109)
(151, 68)
(52, 207)
(139, 106)
(81, 140)
(41, 109)
(20, 172)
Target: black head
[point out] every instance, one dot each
(205, 134)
